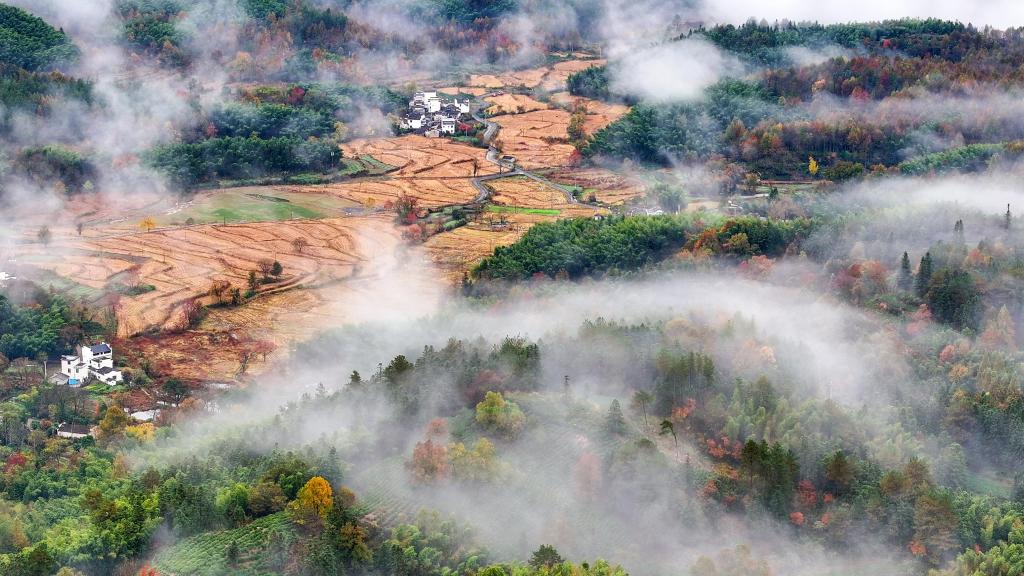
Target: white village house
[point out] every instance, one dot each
(433, 115)
(92, 362)
(73, 431)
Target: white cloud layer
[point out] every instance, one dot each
(996, 13)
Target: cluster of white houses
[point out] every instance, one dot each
(432, 115)
(92, 362)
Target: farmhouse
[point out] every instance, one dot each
(92, 362)
(73, 431)
(431, 115)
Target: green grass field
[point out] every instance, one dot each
(256, 204)
(521, 210)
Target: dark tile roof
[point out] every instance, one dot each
(73, 429)
(105, 370)
(100, 348)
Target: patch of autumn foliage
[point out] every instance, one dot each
(429, 461)
(724, 448)
(14, 462)
(920, 320)
(757, 267)
(806, 494)
(861, 281)
(680, 413)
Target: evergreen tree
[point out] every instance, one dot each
(954, 299)
(1009, 218)
(615, 423)
(906, 277)
(924, 275)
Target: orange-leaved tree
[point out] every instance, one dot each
(314, 500)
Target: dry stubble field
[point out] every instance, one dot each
(353, 266)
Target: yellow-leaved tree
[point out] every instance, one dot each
(314, 500)
(812, 166)
(147, 223)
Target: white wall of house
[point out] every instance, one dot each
(91, 364)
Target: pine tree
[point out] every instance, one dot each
(905, 281)
(1009, 218)
(924, 274)
(615, 423)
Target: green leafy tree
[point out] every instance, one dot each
(545, 557)
(496, 413)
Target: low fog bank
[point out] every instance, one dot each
(914, 214)
(998, 13)
(648, 522)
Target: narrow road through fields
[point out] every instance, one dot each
(494, 157)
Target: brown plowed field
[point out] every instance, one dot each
(538, 139)
(354, 268)
(453, 90)
(609, 187)
(458, 251)
(181, 263)
(526, 193)
(551, 78)
(513, 104)
(423, 157)
(429, 192)
(599, 114)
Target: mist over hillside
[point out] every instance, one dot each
(511, 288)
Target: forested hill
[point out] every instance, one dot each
(859, 98)
(28, 42)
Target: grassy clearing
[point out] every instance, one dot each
(49, 280)
(206, 554)
(261, 204)
(785, 188)
(376, 166)
(521, 210)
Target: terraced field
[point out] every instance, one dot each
(255, 204)
(355, 258)
(513, 104)
(424, 157)
(551, 78)
(607, 187)
(182, 262)
(430, 192)
(539, 139)
(460, 250)
(524, 192)
(205, 554)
